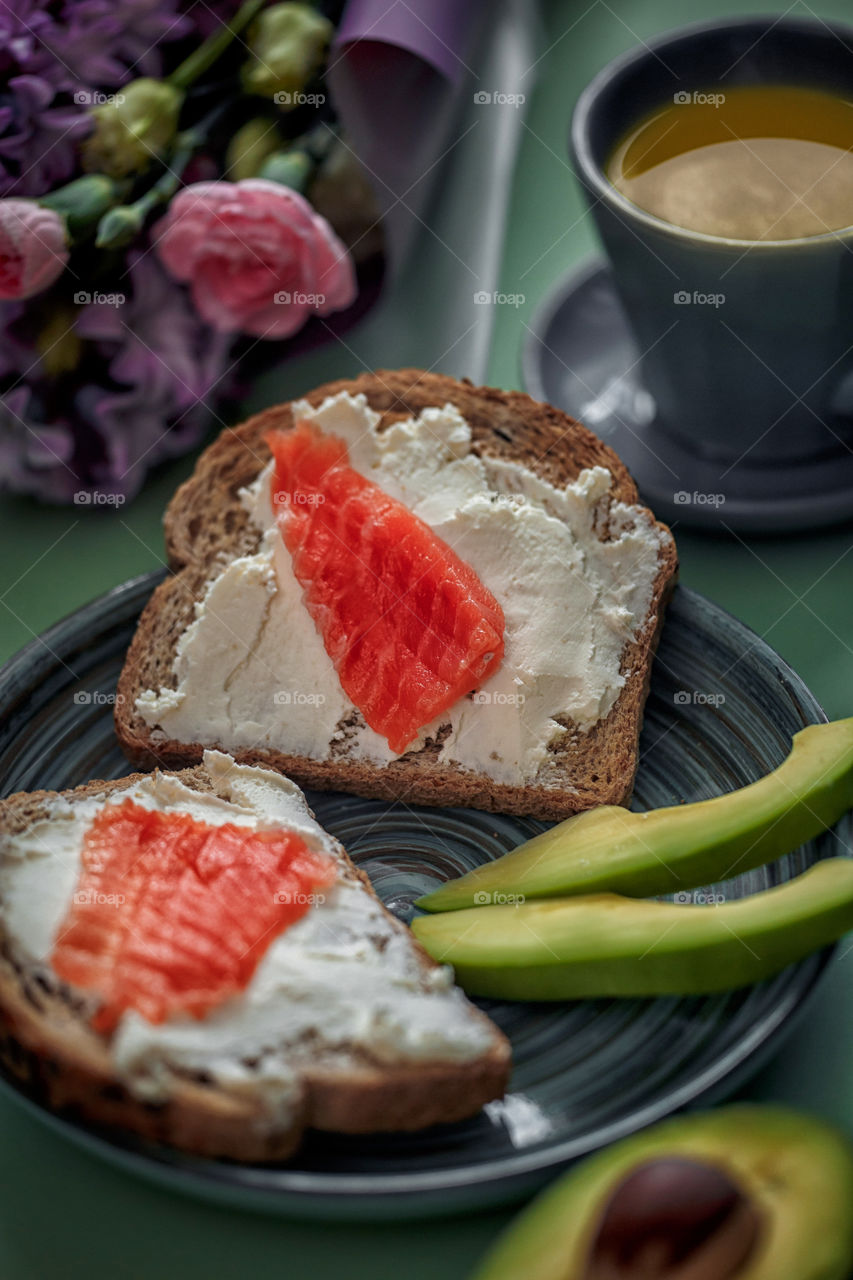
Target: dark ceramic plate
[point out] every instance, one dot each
(721, 713)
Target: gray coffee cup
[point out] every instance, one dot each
(747, 346)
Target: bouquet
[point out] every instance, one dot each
(174, 189)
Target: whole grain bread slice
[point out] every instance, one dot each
(48, 1047)
(206, 526)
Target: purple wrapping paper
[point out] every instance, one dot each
(439, 32)
(413, 85)
(396, 74)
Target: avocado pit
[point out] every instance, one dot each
(675, 1219)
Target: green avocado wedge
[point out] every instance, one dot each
(606, 945)
(794, 1173)
(665, 850)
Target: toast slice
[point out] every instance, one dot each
(346, 1024)
(212, 528)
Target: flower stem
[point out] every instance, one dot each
(214, 46)
(167, 184)
(120, 225)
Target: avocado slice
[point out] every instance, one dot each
(664, 850)
(794, 1172)
(606, 945)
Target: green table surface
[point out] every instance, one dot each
(65, 1215)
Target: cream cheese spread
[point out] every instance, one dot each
(345, 977)
(251, 669)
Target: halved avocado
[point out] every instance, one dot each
(791, 1173)
(606, 945)
(665, 850)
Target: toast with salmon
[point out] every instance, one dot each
(160, 975)
(341, 623)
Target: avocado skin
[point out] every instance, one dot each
(606, 945)
(681, 847)
(797, 1170)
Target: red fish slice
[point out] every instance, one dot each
(173, 915)
(407, 623)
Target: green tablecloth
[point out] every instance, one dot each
(62, 1213)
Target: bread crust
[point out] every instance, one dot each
(206, 526)
(49, 1049)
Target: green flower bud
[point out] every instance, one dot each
(119, 226)
(250, 147)
(83, 201)
(341, 193)
(288, 43)
(133, 129)
(288, 168)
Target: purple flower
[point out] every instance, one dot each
(133, 30)
(53, 61)
(25, 29)
(38, 143)
(17, 356)
(209, 15)
(164, 363)
(82, 51)
(147, 372)
(34, 457)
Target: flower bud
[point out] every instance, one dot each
(119, 226)
(82, 202)
(250, 147)
(287, 168)
(341, 193)
(134, 129)
(288, 43)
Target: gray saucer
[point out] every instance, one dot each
(581, 356)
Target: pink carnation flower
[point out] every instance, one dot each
(33, 249)
(256, 256)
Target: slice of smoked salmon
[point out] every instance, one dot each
(408, 624)
(173, 915)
